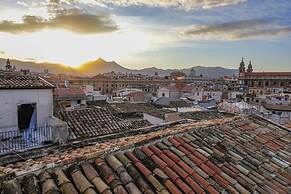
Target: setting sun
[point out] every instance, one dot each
(72, 49)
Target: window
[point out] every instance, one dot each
(163, 94)
(78, 101)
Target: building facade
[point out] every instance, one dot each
(270, 82)
(26, 101)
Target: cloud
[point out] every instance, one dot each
(72, 20)
(183, 4)
(246, 29)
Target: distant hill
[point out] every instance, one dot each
(99, 65)
(211, 72)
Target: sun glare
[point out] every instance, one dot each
(72, 49)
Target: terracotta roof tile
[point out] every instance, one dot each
(182, 149)
(64, 183)
(206, 169)
(180, 172)
(96, 121)
(200, 156)
(157, 185)
(171, 174)
(209, 159)
(183, 186)
(48, 184)
(213, 167)
(82, 184)
(185, 167)
(131, 157)
(143, 169)
(172, 156)
(147, 151)
(165, 158)
(223, 182)
(158, 161)
(16, 80)
(272, 145)
(189, 147)
(211, 190)
(156, 150)
(188, 161)
(172, 188)
(232, 190)
(174, 142)
(195, 159)
(195, 186)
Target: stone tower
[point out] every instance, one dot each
(242, 68)
(8, 66)
(250, 68)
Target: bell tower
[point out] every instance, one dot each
(8, 66)
(250, 68)
(242, 68)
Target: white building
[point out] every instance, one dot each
(126, 91)
(174, 91)
(278, 113)
(92, 94)
(26, 101)
(163, 92)
(201, 94)
(278, 99)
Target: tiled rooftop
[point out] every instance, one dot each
(140, 107)
(62, 93)
(205, 115)
(243, 156)
(277, 107)
(16, 80)
(90, 122)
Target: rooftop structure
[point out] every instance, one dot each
(239, 155)
(16, 80)
(107, 84)
(178, 75)
(250, 78)
(69, 93)
(92, 122)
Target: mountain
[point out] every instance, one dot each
(211, 72)
(99, 65)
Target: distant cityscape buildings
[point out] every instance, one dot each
(48, 97)
(69, 134)
(269, 81)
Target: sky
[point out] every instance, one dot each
(147, 33)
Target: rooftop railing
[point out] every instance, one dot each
(18, 140)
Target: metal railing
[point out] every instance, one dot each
(16, 140)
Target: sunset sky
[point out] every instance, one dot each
(146, 33)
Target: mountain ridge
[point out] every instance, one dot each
(99, 66)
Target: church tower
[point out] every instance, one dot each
(242, 68)
(250, 68)
(8, 66)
